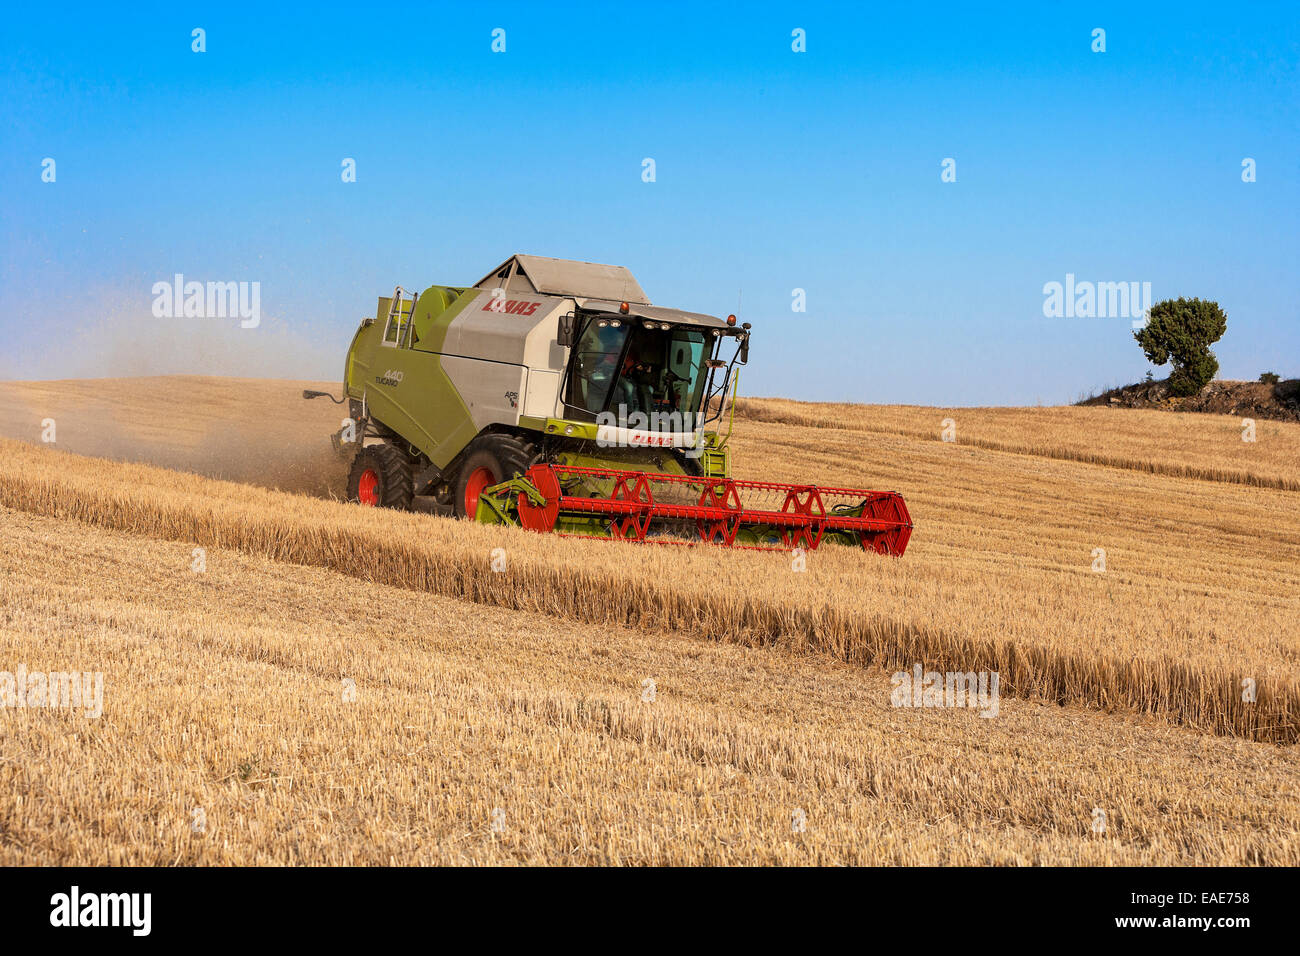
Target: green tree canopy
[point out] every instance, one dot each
(1181, 331)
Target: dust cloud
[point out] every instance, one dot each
(200, 395)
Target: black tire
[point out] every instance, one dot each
(380, 476)
(501, 456)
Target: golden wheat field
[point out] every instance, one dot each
(347, 685)
(1182, 445)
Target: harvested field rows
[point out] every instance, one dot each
(1192, 603)
(225, 694)
(1208, 447)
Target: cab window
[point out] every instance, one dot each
(595, 363)
(662, 372)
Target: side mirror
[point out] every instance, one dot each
(744, 350)
(564, 335)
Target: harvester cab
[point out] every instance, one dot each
(552, 394)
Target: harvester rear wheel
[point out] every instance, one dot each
(491, 459)
(380, 477)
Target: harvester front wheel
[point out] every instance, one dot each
(380, 477)
(492, 459)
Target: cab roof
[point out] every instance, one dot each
(655, 313)
(595, 287)
(566, 277)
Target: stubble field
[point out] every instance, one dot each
(346, 685)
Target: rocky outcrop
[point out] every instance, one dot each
(1247, 399)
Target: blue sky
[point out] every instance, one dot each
(775, 170)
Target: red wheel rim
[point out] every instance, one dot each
(368, 488)
(540, 517)
(478, 479)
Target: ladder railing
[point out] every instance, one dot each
(401, 318)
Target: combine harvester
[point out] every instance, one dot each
(554, 396)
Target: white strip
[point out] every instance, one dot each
(608, 436)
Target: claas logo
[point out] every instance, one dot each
(510, 307)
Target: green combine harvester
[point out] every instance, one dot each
(552, 395)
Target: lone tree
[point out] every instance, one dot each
(1181, 331)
